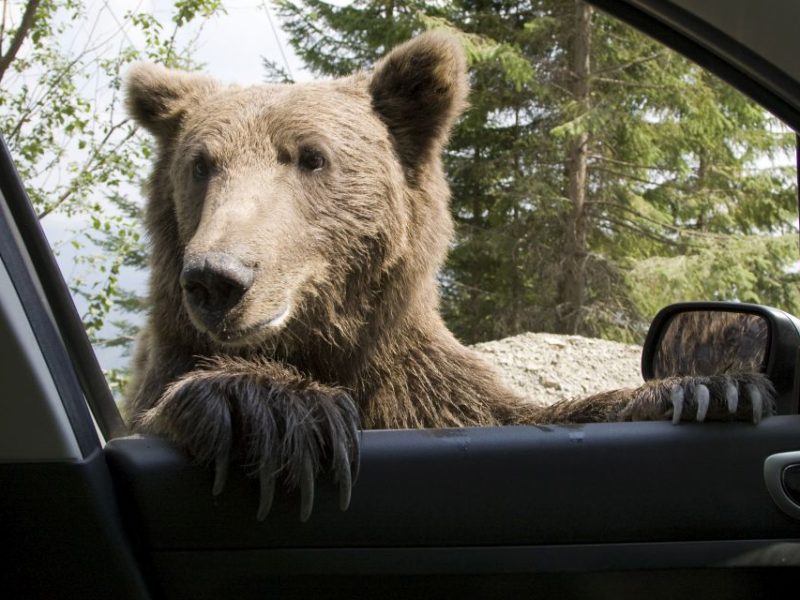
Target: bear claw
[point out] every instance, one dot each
(731, 397)
(220, 472)
(288, 428)
(306, 490)
(345, 483)
(757, 400)
(266, 480)
(702, 397)
(354, 462)
(715, 398)
(676, 398)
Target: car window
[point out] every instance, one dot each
(596, 177)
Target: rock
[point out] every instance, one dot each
(550, 367)
(550, 383)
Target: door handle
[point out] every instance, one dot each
(782, 476)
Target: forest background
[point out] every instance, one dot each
(596, 177)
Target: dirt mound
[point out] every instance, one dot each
(551, 367)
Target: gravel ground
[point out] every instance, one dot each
(552, 367)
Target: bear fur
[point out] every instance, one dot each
(297, 232)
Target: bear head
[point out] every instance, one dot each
(305, 208)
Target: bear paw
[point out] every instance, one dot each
(740, 397)
(279, 425)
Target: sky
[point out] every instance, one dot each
(231, 46)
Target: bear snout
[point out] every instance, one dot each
(214, 282)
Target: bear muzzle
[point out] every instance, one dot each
(213, 283)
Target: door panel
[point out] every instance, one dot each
(596, 483)
(514, 506)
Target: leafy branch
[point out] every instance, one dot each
(21, 33)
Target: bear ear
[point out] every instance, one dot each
(418, 90)
(157, 97)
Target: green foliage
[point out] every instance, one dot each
(721, 268)
(77, 152)
(683, 198)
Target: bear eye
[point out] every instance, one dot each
(200, 169)
(311, 159)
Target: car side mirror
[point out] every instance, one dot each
(714, 338)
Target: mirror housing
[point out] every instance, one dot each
(733, 337)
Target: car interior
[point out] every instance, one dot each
(600, 510)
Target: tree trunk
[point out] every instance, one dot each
(517, 291)
(25, 25)
(572, 287)
(474, 274)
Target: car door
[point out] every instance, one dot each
(596, 510)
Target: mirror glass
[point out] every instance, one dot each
(704, 342)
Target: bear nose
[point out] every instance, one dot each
(215, 282)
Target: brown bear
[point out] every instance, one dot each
(297, 232)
